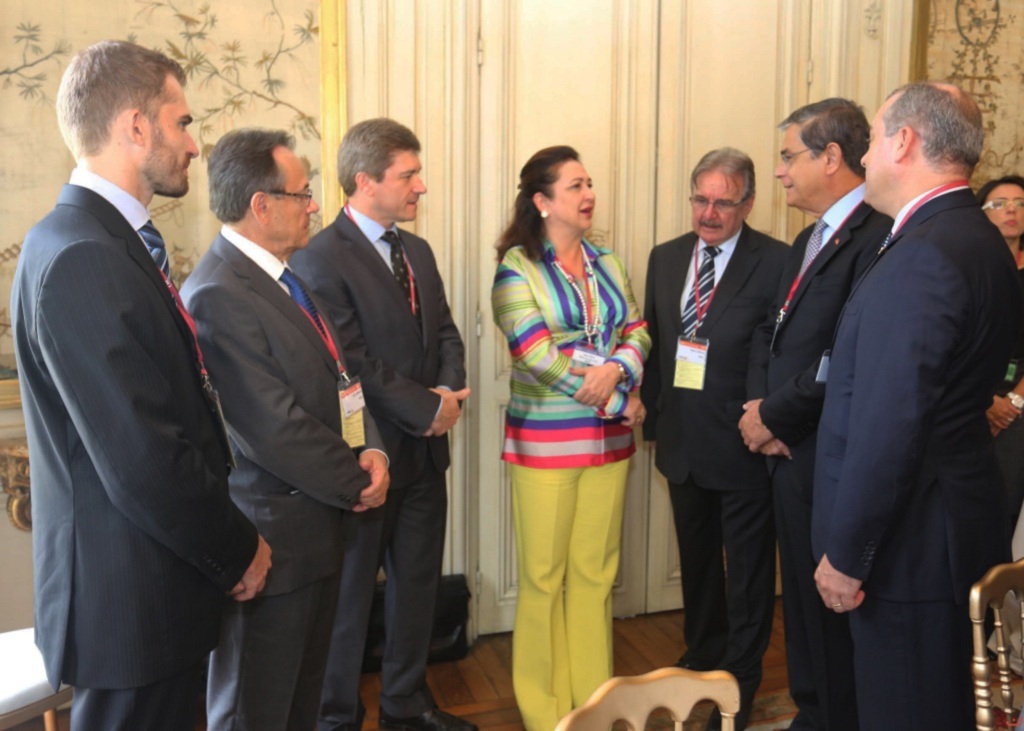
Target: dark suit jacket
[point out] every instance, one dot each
(784, 374)
(135, 539)
(396, 359)
(279, 389)
(907, 493)
(697, 431)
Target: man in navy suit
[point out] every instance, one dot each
(908, 498)
(135, 539)
(385, 296)
(706, 293)
(822, 175)
(307, 449)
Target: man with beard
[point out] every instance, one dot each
(135, 539)
(706, 293)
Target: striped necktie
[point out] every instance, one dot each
(705, 286)
(157, 248)
(813, 245)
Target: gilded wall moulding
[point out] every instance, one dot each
(14, 478)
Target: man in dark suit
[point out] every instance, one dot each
(821, 171)
(908, 498)
(386, 298)
(135, 539)
(305, 446)
(694, 388)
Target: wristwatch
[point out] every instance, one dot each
(1017, 400)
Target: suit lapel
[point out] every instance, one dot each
(362, 249)
(676, 267)
(257, 280)
(837, 240)
(118, 227)
(743, 261)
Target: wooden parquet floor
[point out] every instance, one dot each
(479, 687)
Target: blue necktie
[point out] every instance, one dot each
(705, 285)
(301, 296)
(157, 248)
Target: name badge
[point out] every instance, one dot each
(691, 363)
(822, 375)
(352, 401)
(585, 355)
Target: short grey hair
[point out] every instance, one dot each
(833, 120)
(242, 164)
(104, 80)
(369, 147)
(946, 119)
(730, 161)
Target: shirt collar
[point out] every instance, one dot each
(125, 203)
(726, 247)
(898, 221)
(262, 258)
(370, 228)
(836, 215)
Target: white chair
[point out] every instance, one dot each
(25, 693)
(631, 699)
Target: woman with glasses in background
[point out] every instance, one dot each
(1003, 200)
(578, 346)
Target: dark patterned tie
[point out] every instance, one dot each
(157, 248)
(401, 270)
(705, 285)
(301, 296)
(813, 245)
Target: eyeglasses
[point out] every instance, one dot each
(699, 203)
(1000, 203)
(306, 195)
(787, 157)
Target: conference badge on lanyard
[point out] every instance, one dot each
(585, 354)
(691, 363)
(350, 396)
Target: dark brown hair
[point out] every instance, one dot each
(986, 190)
(538, 175)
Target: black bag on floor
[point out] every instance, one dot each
(448, 638)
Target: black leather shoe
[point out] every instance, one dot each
(695, 663)
(433, 720)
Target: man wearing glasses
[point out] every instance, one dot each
(822, 175)
(706, 293)
(306, 449)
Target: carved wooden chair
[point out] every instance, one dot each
(25, 693)
(631, 699)
(990, 593)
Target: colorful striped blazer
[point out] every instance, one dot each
(542, 318)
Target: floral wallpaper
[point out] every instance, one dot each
(248, 62)
(976, 44)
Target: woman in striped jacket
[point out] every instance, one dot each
(578, 346)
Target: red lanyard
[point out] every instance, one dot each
(191, 326)
(698, 310)
(930, 195)
(800, 275)
(408, 269)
